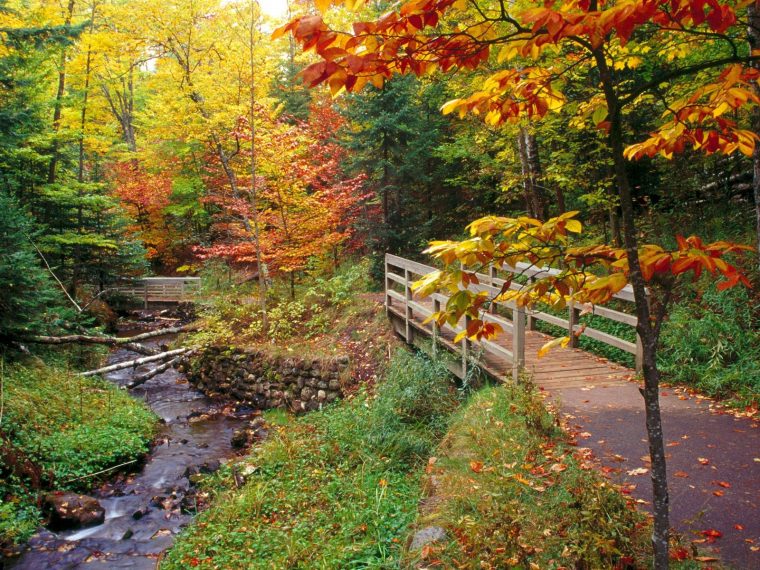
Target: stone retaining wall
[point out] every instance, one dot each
(264, 381)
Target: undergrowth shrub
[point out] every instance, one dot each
(232, 313)
(713, 343)
(412, 408)
(70, 427)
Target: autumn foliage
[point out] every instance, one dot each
(540, 48)
(587, 275)
(309, 202)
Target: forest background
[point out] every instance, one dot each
(138, 137)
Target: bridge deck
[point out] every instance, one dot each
(561, 368)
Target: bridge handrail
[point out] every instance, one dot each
(161, 289)
(492, 284)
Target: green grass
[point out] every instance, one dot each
(68, 426)
(342, 488)
(512, 494)
(334, 489)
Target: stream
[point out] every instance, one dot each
(145, 510)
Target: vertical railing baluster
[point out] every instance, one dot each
(531, 321)
(408, 310)
(518, 341)
(465, 346)
(572, 321)
(436, 332)
(492, 283)
(388, 300)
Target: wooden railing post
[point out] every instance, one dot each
(572, 321)
(388, 300)
(492, 283)
(639, 354)
(518, 341)
(145, 294)
(408, 315)
(436, 332)
(531, 321)
(465, 346)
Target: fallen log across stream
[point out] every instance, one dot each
(132, 343)
(143, 378)
(137, 362)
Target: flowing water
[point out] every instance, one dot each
(144, 511)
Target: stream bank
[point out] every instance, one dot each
(145, 510)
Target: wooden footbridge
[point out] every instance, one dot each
(515, 350)
(160, 289)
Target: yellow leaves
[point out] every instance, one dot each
(600, 113)
(450, 106)
(561, 342)
(322, 5)
(428, 284)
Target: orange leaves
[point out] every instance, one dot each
(510, 94)
(711, 534)
(698, 120)
(581, 275)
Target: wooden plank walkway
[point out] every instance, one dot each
(513, 352)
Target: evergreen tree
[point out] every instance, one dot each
(26, 286)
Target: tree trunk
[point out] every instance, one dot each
(254, 201)
(135, 363)
(753, 14)
(530, 168)
(617, 238)
(560, 195)
(644, 328)
(58, 107)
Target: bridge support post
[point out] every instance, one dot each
(518, 341)
(145, 295)
(408, 315)
(388, 300)
(436, 332)
(465, 347)
(572, 322)
(531, 321)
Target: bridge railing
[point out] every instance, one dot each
(161, 289)
(570, 324)
(402, 272)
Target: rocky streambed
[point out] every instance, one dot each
(143, 511)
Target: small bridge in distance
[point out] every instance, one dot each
(515, 350)
(161, 289)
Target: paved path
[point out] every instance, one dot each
(713, 456)
(713, 460)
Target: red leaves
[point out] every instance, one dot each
(679, 553)
(711, 534)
